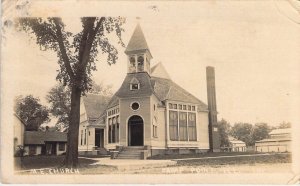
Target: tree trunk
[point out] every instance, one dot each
(71, 160)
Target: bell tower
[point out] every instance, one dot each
(138, 52)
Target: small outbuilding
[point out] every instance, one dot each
(279, 141)
(44, 143)
(235, 145)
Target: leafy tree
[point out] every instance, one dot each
(224, 130)
(105, 90)
(243, 132)
(260, 131)
(285, 125)
(31, 112)
(47, 128)
(59, 98)
(77, 54)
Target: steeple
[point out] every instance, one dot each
(138, 52)
(137, 42)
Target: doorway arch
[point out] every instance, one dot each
(135, 131)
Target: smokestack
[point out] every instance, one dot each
(214, 137)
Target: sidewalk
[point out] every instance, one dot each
(132, 164)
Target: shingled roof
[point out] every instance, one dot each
(40, 137)
(137, 41)
(145, 86)
(159, 71)
(95, 104)
(164, 89)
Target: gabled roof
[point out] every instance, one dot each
(21, 121)
(40, 137)
(164, 89)
(281, 131)
(236, 141)
(145, 88)
(137, 41)
(273, 140)
(159, 71)
(113, 102)
(134, 81)
(95, 104)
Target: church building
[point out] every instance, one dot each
(149, 113)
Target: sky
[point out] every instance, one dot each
(253, 45)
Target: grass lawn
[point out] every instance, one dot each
(209, 154)
(269, 163)
(37, 162)
(251, 160)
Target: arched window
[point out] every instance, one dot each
(132, 66)
(132, 61)
(141, 63)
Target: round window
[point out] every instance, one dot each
(135, 106)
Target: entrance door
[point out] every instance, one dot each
(135, 131)
(53, 149)
(99, 138)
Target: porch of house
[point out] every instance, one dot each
(94, 142)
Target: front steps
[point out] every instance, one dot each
(134, 152)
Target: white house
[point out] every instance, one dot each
(279, 141)
(44, 142)
(236, 145)
(19, 129)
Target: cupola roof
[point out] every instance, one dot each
(137, 41)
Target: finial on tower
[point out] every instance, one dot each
(138, 52)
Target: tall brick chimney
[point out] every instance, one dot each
(214, 137)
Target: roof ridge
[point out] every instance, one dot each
(22, 121)
(153, 68)
(186, 92)
(167, 96)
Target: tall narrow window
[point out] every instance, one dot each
(109, 130)
(132, 67)
(192, 127)
(117, 129)
(113, 130)
(173, 127)
(85, 136)
(183, 126)
(81, 138)
(140, 63)
(154, 127)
